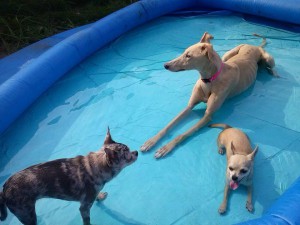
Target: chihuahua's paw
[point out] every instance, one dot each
(249, 206)
(101, 196)
(148, 144)
(222, 209)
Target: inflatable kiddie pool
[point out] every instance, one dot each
(27, 74)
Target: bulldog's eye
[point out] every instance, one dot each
(188, 56)
(126, 155)
(230, 168)
(244, 171)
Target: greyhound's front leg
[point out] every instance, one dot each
(168, 147)
(214, 103)
(152, 141)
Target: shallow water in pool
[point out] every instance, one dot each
(124, 86)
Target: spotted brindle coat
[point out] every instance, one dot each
(73, 179)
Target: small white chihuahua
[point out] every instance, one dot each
(240, 158)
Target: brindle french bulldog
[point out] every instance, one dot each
(74, 179)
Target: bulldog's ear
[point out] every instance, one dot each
(252, 154)
(206, 37)
(111, 156)
(108, 139)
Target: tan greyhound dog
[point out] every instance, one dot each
(220, 79)
(240, 160)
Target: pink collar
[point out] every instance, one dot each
(213, 77)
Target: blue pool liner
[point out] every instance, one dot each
(27, 74)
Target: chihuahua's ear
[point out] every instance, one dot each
(252, 154)
(206, 37)
(232, 148)
(110, 156)
(108, 139)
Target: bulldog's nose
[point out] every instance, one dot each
(166, 66)
(234, 177)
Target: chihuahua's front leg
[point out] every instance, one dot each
(223, 206)
(249, 205)
(152, 141)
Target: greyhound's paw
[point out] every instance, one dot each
(148, 144)
(161, 152)
(164, 150)
(222, 208)
(101, 196)
(249, 206)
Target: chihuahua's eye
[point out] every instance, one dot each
(188, 56)
(244, 171)
(230, 168)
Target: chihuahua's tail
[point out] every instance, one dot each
(264, 42)
(220, 125)
(3, 210)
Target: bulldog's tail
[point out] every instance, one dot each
(264, 41)
(3, 210)
(220, 125)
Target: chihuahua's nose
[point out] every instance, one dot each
(166, 66)
(234, 177)
(136, 153)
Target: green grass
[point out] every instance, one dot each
(23, 22)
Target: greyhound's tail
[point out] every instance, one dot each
(220, 125)
(264, 42)
(3, 209)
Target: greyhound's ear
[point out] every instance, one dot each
(108, 139)
(232, 148)
(206, 37)
(209, 51)
(252, 154)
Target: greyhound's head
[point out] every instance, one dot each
(199, 56)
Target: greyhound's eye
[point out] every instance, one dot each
(188, 56)
(244, 171)
(230, 168)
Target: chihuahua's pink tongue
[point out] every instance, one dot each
(233, 185)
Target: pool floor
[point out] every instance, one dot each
(124, 86)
